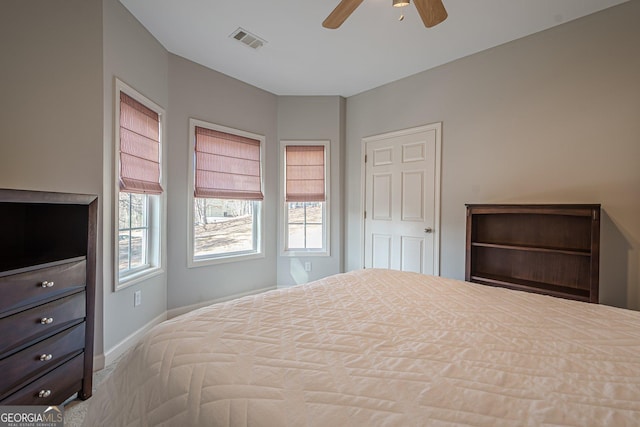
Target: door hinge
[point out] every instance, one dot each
(365, 158)
(365, 214)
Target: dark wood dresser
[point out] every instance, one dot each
(47, 296)
(548, 249)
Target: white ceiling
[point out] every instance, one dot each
(370, 49)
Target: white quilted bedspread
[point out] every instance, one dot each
(382, 348)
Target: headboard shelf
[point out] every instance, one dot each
(531, 286)
(533, 248)
(549, 249)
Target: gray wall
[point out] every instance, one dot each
(551, 118)
(134, 56)
(315, 118)
(51, 101)
(200, 93)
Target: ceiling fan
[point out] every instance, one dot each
(432, 12)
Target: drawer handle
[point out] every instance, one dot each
(44, 393)
(46, 357)
(47, 284)
(46, 320)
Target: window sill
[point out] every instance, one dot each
(305, 253)
(203, 262)
(138, 277)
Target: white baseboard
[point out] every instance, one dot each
(174, 312)
(102, 360)
(98, 362)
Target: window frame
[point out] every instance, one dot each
(156, 204)
(194, 261)
(325, 251)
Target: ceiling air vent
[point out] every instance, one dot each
(247, 38)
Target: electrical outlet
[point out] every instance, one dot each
(137, 298)
(307, 266)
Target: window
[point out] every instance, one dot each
(226, 218)
(305, 222)
(133, 232)
(138, 131)
(305, 188)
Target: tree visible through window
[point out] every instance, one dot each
(223, 226)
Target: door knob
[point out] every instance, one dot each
(428, 230)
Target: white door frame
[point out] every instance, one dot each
(438, 160)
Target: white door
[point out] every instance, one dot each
(402, 206)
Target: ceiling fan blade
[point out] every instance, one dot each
(432, 12)
(341, 13)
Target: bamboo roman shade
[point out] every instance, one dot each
(139, 147)
(227, 166)
(305, 173)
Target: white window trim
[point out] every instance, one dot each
(157, 203)
(192, 261)
(326, 251)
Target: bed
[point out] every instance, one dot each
(382, 348)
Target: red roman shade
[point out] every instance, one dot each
(139, 147)
(227, 166)
(305, 173)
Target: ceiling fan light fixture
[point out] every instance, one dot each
(432, 12)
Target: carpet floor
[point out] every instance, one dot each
(76, 409)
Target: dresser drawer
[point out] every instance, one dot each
(40, 358)
(39, 322)
(53, 388)
(28, 288)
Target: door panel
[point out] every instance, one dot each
(381, 195)
(383, 155)
(413, 152)
(412, 254)
(413, 196)
(381, 251)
